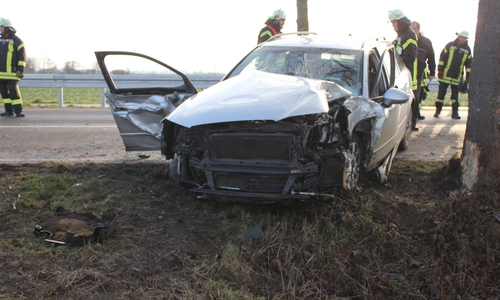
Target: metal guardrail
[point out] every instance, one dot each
(61, 81)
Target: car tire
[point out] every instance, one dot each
(405, 142)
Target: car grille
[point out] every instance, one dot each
(250, 182)
(252, 146)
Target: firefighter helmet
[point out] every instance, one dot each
(5, 23)
(396, 14)
(463, 33)
(278, 14)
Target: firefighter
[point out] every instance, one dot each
(12, 64)
(274, 24)
(407, 48)
(426, 64)
(455, 56)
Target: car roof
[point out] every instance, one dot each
(311, 39)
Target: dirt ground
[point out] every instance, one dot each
(168, 245)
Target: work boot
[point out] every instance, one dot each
(439, 107)
(414, 124)
(18, 109)
(8, 110)
(454, 112)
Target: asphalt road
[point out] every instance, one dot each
(91, 135)
(72, 135)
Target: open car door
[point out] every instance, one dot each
(143, 91)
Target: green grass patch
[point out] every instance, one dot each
(463, 99)
(33, 97)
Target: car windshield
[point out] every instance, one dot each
(342, 66)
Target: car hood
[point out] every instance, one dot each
(257, 95)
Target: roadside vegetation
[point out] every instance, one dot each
(47, 97)
(417, 237)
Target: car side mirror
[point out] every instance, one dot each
(395, 96)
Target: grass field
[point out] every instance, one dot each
(47, 97)
(463, 99)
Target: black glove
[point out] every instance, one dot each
(19, 75)
(463, 88)
(423, 94)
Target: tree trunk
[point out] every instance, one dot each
(302, 18)
(481, 151)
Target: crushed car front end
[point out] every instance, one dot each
(299, 156)
(294, 159)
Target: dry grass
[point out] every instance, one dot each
(417, 237)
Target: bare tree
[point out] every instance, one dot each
(302, 16)
(48, 66)
(94, 68)
(32, 65)
(481, 151)
(71, 67)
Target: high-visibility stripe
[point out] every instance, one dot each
(266, 33)
(9, 57)
(17, 101)
(448, 63)
(8, 76)
(408, 42)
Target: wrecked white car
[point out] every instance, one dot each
(296, 119)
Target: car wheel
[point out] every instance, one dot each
(405, 142)
(355, 169)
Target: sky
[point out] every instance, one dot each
(211, 36)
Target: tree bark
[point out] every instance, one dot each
(302, 17)
(481, 151)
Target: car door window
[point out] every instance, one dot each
(374, 76)
(126, 68)
(389, 66)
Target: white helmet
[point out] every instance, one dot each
(278, 14)
(396, 14)
(5, 23)
(463, 33)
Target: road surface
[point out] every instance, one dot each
(90, 135)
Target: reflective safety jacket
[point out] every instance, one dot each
(407, 48)
(266, 33)
(12, 56)
(452, 61)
